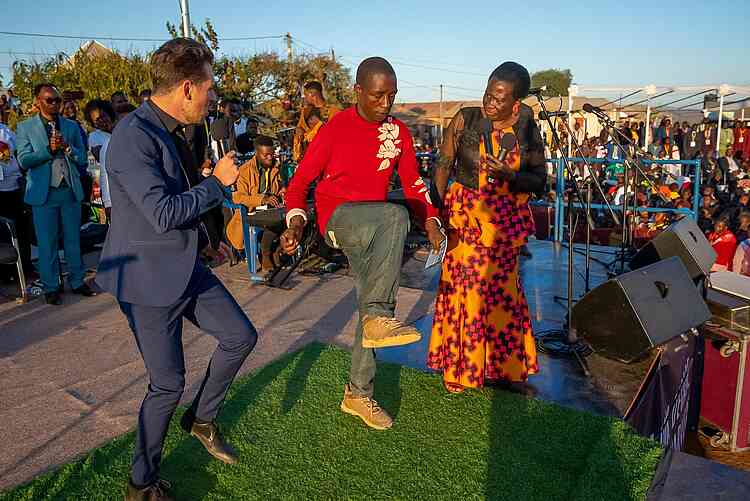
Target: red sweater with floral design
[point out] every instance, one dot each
(353, 160)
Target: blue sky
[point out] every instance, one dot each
(603, 43)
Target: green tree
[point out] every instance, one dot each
(557, 81)
(272, 84)
(206, 34)
(97, 77)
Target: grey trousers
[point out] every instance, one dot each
(372, 236)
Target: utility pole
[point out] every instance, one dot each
(289, 57)
(185, 18)
(441, 113)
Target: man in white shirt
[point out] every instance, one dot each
(12, 205)
(100, 115)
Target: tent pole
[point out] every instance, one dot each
(570, 124)
(718, 126)
(648, 125)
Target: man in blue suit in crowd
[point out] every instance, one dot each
(50, 149)
(151, 264)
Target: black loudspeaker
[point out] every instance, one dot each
(626, 316)
(682, 239)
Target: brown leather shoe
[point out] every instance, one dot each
(157, 491)
(210, 436)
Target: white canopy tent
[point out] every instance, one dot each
(664, 99)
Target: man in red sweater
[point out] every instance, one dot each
(352, 158)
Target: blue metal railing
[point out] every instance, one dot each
(560, 189)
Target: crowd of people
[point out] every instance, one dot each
(70, 146)
(722, 200)
(723, 209)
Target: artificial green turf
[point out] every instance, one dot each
(296, 444)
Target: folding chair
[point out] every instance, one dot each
(11, 254)
(250, 240)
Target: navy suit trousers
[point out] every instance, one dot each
(158, 332)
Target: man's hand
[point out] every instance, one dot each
(226, 170)
(434, 234)
(206, 168)
(224, 251)
(271, 201)
(290, 239)
(218, 255)
(500, 170)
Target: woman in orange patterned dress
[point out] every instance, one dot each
(482, 329)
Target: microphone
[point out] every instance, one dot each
(506, 145)
(221, 130)
(535, 91)
(552, 114)
(589, 108)
(485, 127)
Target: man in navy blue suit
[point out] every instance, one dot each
(150, 260)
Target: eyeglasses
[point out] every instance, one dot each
(53, 100)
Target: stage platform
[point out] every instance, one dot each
(612, 385)
(560, 380)
(72, 378)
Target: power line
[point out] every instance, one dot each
(399, 61)
(124, 39)
(20, 53)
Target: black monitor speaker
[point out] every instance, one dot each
(628, 315)
(682, 239)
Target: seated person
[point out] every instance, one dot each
(725, 244)
(259, 184)
(743, 227)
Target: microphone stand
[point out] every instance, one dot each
(592, 178)
(565, 341)
(631, 160)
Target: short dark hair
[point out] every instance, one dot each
(117, 93)
(514, 74)
(101, 105)
(38, 87)
(315, 112)
(263, 141)
(177, 60)
(373, 66)
(314, 85)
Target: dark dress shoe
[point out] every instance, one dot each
(158, 491)
(84, 290)
(210, 436)
(53, 298)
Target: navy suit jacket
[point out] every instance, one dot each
(152, 244)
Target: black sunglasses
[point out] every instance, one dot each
(53, 100)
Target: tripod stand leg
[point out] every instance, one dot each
(582, 362)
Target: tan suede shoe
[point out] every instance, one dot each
(381, 332)
(366, 409)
